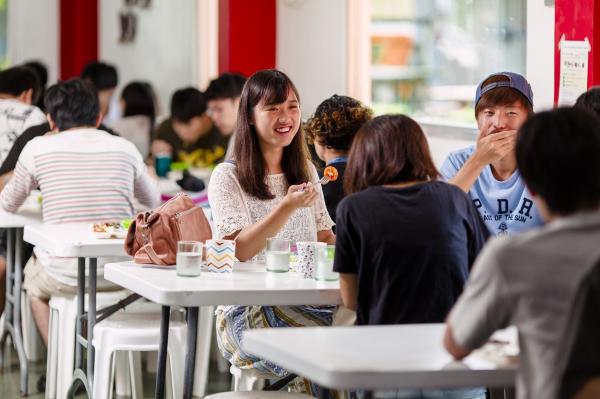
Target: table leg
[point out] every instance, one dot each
(8, 307)
(162, 353)
(91, 320)
(18, 335)
(190, 357)
(80, 309)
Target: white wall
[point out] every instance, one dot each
(164, 50)
(311, 48)
(33, 33)
(540, 53)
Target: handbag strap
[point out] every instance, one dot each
(152, 254)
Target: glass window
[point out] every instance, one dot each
(3, 34)
(427, 56)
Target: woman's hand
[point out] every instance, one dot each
(300, 196)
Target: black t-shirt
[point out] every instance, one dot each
(411, 249)
(334, 191)
(29, 134)
(208, 150)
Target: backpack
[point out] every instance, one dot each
(152, 236)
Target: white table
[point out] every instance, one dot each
(376, 357)
(78, 240)
(248, 284)
(29, 214)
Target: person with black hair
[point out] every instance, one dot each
(331, 130)
(138, 107)
(189, 135)
(223, 99)
(104, 78)
(19, 88)
(84, 175)
(487, 171)
(533, 280)
(590, 100)
(42, 73)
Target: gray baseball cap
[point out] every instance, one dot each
(515, 81)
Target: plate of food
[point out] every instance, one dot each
(109, 230)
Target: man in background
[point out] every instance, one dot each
(223, 100)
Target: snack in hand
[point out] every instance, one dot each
(331, 173)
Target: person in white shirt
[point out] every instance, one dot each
(19, 89)
(84, 175)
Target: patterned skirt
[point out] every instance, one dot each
(232, 321)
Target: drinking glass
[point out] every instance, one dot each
(189, 258)
(325, 256)
(278, 255)
(162, 164)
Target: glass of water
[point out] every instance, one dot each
(189, 258)
(278, 255)
(325, 256)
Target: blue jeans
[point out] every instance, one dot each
(465, 393)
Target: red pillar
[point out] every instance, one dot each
(247, 35)
(576, 20)
(78, 35)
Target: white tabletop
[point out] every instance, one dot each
(376, 357)
(30, 213)
(248, 284)
(72, 240)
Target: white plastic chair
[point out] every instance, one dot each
(135, 332)
(249, 379)
(61, 339)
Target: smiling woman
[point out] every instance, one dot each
(265, 192)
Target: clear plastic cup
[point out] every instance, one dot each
(278, 255)
(324, 271)
(189, 258)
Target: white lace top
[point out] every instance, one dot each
(233, 209)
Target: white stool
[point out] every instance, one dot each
(138, 332)
(249, 379)
(259, 395)
(206, 325)
(61, 338)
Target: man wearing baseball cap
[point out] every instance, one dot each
(487, 171)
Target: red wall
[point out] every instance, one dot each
(247, 35)
(78, 35)
(577, 19)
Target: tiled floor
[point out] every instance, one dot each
(9, 380)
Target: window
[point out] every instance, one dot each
(427, 56)
(3, 34)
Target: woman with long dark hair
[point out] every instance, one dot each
(138, 106)
(405, 241)
(265, 192)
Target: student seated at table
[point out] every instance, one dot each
(488, 171)
(84, 175)
(331, 129)
(405, 240)
(189, 135)
(103, 78)
(138, 107)
(19, 88)
(223, 101)
(542, 281)
(267, 192)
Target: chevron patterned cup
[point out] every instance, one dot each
(220, 255)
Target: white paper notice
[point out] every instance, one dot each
(574, 56)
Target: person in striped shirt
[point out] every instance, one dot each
(85, 175)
